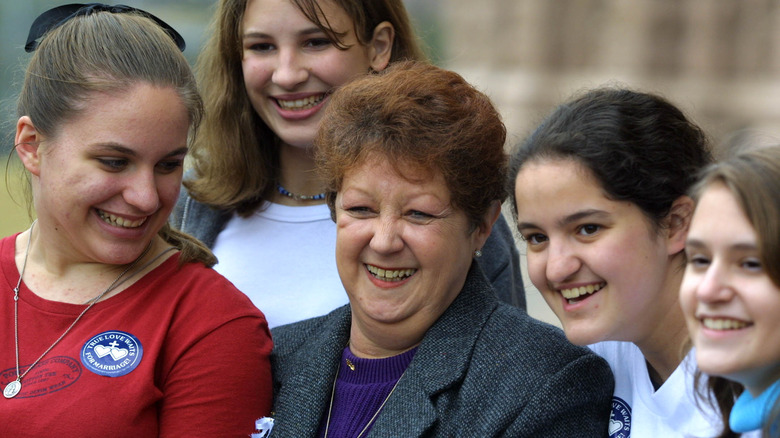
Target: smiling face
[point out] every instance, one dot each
(730, 304)
(598, 263)
(106, 182)
(402, 250)
(290, 66)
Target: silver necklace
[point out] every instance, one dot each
(13, 388)
(373, 417)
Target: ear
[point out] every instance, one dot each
(27, 142)
(484, 228)
(679, 220)
(381, 46)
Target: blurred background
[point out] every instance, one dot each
(718, 60)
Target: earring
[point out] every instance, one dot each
(477, 253)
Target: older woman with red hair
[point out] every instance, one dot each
(414, 163)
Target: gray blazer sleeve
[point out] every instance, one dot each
(199, 220)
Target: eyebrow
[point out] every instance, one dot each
(115, 147)
(574, 217)
(739, 246)
(305, 32)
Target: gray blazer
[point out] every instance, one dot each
(500, 259)
(484, 369)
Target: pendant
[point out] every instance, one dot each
(12, 389)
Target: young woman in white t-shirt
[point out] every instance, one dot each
(267, 73)
(599, 189)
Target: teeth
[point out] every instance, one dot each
(118, 221)
(577, 292)
(387, 275)
(723, 324)
(301, 104)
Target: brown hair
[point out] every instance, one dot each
(235, 156)
(415, 114)
(753, 177)
(114, 51)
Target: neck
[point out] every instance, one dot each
(380, 342)
(54, 276)
(664, 343)
(297, 174)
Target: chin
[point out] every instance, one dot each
(300, 137)
(714, 364)
(383, 314)
(579, 335)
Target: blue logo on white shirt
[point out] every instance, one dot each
(620, 419)
(112, 353)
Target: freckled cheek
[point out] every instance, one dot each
(85, 190)
(256, 74)
(341, 71)
(168, 199)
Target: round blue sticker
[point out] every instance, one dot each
(112, 353)
(620, 419)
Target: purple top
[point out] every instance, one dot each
(360, 392)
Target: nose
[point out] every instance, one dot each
(387, 236)
(714, 285)
(290, 70)
(562, 262)
(141, 192)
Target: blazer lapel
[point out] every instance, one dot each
(441, 361)
(305, 397)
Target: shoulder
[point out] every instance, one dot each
(617, 352)
(308, 347)
(290, 338)
(524, 377)
(8, 246)
(194, 311)
(534, 359)
(7, 259)
(512, 330)
(199, 290)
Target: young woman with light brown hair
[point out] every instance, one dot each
(112, 323)
(267, 73)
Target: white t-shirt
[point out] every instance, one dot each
(640, 411)
(284, 259)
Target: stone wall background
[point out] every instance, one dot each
(718, 60)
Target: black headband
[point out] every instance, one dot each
(55, 17)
